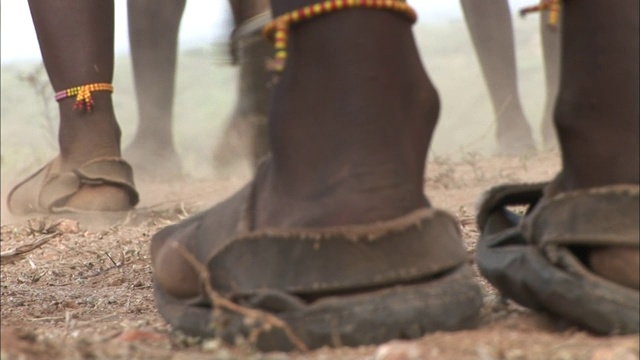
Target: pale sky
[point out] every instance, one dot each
(202, 22)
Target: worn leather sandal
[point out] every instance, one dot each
(534, 258)
(48, 190)
(334, 286)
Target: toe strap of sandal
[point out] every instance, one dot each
(49, 190)
(307, 261)
(101, 171)
(606, 216)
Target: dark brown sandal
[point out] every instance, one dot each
(532, 258)
(334, 286)
(48, 190)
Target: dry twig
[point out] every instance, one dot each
(219, 301)
(115, 264)
(18, 253)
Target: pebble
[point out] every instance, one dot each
(67, 226)
(515, 354)
(562, 355)
(397, 350)
(211, 345)
(275, 356)
(614, 353)
(135, 335)
(223, 354)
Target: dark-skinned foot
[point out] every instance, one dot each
(88, 176)
(334, 235)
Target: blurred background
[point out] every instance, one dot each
(205, 92)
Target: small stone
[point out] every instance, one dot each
(275, 356)
(562, 355)
(614, 353)
(486, 352)
(67, 226)
(222, 354)
(210, 345)
(514, 354)
(398, 350)
(135, 335)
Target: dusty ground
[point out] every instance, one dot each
(86, 294)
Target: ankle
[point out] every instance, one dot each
(85, 135)
(599, 147)
(349, 142)
(355, 109)
(597, 115)
(353, 199)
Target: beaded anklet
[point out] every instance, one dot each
(552, 6)
(277, 30)
(84, 100)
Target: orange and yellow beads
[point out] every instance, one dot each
(84, 100)
(552, 6)
(278, 29)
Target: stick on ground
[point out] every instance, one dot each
(219, 301)
(18, 253)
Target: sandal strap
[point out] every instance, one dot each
(416, 246)
(48, 190)
(420, 245)
(100, 171)
(501, 196)
(582, 217)
(603, 216)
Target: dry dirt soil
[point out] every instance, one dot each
(86, 293)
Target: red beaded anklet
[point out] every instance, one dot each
(553, 6)
(82, 93)
(278, 29)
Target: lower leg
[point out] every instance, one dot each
(489, 23)
(246, 131)
(551, 52)
(153, 36)
(74, 58)
(344, 151)
(597, 114)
